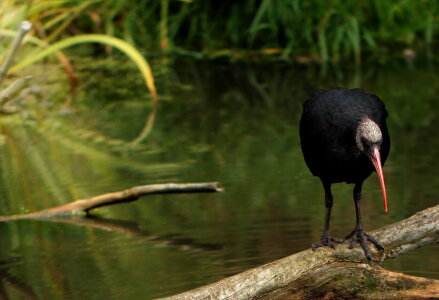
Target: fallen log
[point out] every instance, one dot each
(83, 206)
(339, 273)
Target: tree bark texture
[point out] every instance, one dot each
(336, 274)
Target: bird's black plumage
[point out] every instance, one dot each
(328, 129)
(327, 133)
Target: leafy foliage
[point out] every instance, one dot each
(304, 30)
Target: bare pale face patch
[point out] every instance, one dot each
(368, 130)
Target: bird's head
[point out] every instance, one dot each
(369, 138)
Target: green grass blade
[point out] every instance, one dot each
(126, 48)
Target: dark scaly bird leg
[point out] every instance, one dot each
(358, 235)
(326, 239)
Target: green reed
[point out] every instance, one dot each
(333, 30)
(325, 31)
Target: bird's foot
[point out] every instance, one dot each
(326, 240)
(359, 236)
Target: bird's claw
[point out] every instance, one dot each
(326, 240)
(361, 237)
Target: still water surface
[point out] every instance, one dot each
(236, 124)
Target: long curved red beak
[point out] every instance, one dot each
(376, 160)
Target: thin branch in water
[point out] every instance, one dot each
(132, 229)
(83, 206)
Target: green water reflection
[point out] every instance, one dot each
(237, 124)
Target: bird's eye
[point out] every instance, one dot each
(365, 142)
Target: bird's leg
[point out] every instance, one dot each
(358, 235)
(326, 239)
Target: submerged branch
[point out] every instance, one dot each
(336, 274)
(132, 229)
(83, 206)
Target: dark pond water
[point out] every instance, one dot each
(236, 124)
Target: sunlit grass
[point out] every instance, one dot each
(52, 20)
(327, 31)
(126, 48)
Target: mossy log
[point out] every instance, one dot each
(339, 273)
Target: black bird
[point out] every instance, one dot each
(344, 138)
